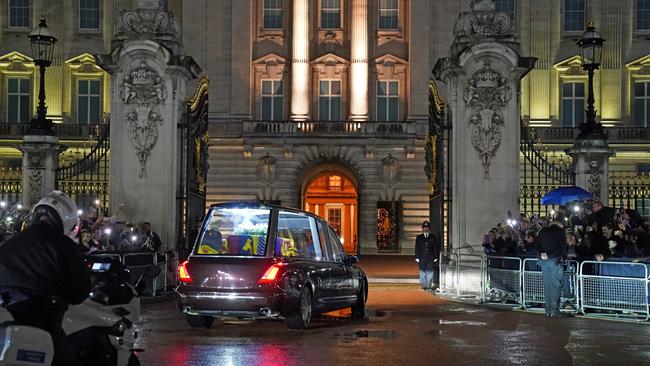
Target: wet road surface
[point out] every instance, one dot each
(405, 326)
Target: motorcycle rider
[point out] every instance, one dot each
(41, 272)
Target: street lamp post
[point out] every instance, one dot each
(590, 152)
(42, 42)
(591, 46)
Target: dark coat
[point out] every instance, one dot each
(427, 250)
(41, 263)
(552, 241)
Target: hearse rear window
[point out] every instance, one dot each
(235, 231)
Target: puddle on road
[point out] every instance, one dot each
(462, 322)
(386, 334)
(434, 333)
(377, 313)
(455, 309)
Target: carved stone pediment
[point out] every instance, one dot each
(270, 66)
(571, 67)
(390, 67)
(639, 67)
(17, 62)
(330, 66)
(84, 64)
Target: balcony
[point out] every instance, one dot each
(399, 129)
(65, 131)
(616, 135)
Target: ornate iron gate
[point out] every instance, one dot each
(538, 175)
(436, 169)
(195, 139)
(86, 179)
(630, 190)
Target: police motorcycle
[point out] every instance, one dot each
(101, 329)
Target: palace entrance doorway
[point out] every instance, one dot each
(332, 195)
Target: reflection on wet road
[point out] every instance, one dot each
(405, 327)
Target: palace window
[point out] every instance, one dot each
(88, 101)
(387, 100)
(273, 14)
(335, 183)
(388, 14)
(573, 104)
(18, 95)
(506, 6)
(19, 13)
(329, 102)
(643, 15)
(88, 14)
(642, 104)
(574, 15)
(272, 100)
(330, 14)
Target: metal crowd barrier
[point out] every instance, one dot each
(597, 289)
(448, 274)
(138, 262)
(532, 288)
(471, 276)
(503, 280)
(620, 288)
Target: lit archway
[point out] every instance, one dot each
(332, 195)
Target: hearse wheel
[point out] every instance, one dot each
(199, 321)
(302, 316)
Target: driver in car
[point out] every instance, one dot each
(41, 272)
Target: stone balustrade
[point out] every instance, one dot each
(326, 128)
(615, 135)
(71, 131)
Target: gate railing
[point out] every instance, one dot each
(86, 179)
(630, 190)
(11, 185)
(538, 174)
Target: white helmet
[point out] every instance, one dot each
(60, 208)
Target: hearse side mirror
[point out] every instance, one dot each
(351, 259)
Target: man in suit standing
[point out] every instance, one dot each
(426, 254)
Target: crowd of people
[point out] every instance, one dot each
(95, 232)
(592, 230)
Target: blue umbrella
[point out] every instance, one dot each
(563, 195)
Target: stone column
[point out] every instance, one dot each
(359, 56)
(591, 166)
(149, 72)
(40, 161)
(300, 61)
(483, 77)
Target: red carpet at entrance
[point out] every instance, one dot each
(398, 267)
